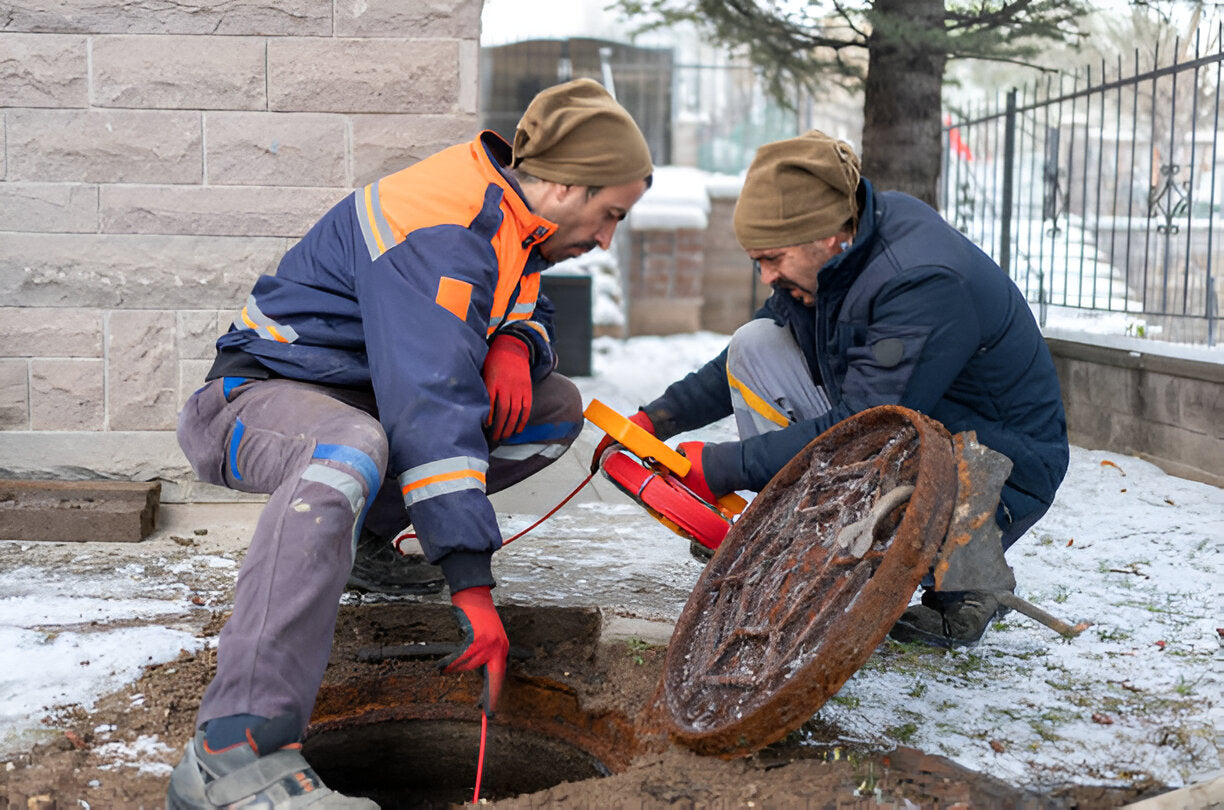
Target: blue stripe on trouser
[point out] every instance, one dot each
(544, 432)
(228, 384)
(235, 440)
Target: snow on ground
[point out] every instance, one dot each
(1136, 552)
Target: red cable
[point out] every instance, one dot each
(484, 730)
(552, 511)
(404, 535)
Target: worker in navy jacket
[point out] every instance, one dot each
(396, 368)
(877, 301)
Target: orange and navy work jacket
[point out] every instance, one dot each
(400, 287)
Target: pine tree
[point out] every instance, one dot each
(907, 44)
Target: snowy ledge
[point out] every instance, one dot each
(1138, 346)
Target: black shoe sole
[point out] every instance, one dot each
(424, 588)
(909, 634)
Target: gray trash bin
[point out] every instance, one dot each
(570, 293)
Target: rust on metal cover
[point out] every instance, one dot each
(791, 606)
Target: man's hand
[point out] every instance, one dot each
(640, 419)
(507, 375)
(486, 645)
(695, 480)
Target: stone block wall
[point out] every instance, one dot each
(1163, 409)
(155, 159)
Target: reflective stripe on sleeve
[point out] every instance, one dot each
(374, 227)
(436, 478)
(521, 311)
(252, 318)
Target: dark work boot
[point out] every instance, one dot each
(379, 568)
(947, 619)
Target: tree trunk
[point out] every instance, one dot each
(901, 104)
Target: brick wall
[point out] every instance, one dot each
(154, 160)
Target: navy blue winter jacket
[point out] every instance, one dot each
(912, 314)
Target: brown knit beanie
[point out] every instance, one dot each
(797, 191)
(575, 133)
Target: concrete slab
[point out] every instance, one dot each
(78, 511)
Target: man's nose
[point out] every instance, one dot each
(604, 236)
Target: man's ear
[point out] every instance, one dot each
(566, 192)
(545, 195)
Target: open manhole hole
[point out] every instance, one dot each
(432, 763)
(389, 726)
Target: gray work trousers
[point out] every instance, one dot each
(771, 386)
(320, 454)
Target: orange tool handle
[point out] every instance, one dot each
(635, 439)
(731, 504)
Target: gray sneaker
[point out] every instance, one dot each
(951, 619)
(268, 772)
(379, 568)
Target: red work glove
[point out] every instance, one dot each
(695, 480)
(640, 419)
(485, 642)
(507, 375)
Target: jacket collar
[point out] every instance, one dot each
(534, 228)
(842, 269)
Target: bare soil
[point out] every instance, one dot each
(567, 692)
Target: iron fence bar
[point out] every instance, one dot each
(1079, 299)
(1190, 183)
(1009, 158)
(1155, 73)
(1041, 290)
(1211, 299)
(1071, 185)
(1018, 176)
(1033, 185)
(1130, 202)
(1113, 205)
(1173, 169)
(1147, 234)
(1096, 230)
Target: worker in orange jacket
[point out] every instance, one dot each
(397, 367)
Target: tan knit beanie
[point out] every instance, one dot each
(797, 191)
(577, 134)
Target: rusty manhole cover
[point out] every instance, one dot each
(799, 595)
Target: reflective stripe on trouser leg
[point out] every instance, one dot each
(555, 421)
(320, 458)
(771, 386)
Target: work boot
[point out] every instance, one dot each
(379, 568)
(267, 771)
(948, 619)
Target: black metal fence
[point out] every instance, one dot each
(1100, 192)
